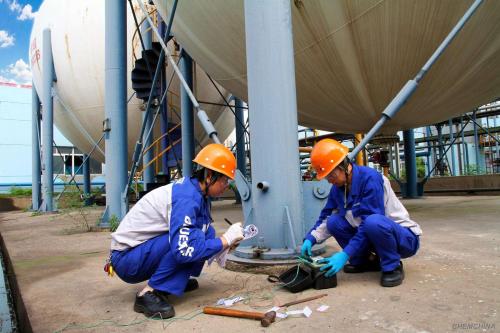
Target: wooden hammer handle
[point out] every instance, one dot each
(232, 313)
(302, 300)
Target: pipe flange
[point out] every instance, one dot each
(320, 192)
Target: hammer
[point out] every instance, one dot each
(265, 318)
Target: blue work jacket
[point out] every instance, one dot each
(366, 197)
(191, 234)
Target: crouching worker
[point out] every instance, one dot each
(364, 215)
(167, 237)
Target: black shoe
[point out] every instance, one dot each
(393, 278)
(152, 305)
(369, 266)
(191, 285)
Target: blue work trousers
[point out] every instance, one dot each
(153, 261)
(379, 234)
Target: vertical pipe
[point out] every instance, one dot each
(86, 179)
(359, 156)
(466, 152)
(476, 143)
(240, 136)
(391, 159)
(36, 171)
(440, 149)
(187, 116)
(497, 156)
(453, 170)
(148, 174)
(115, 107)
(164, 111)
(240, 140)
(272, 98)
(398, 161)
(47, 121)
(459, 154)
(410, 164)
(489, 149)
(429, 148)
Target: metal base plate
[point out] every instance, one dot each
(256, 256)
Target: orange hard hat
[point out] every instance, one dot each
(326, 155)
(218, 158)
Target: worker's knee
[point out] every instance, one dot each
(374, 224)
(337, 224)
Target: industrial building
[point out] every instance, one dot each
(137, 88)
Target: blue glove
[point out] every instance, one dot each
(306, 248)
(334, 263)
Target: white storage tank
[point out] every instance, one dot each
(352, 57)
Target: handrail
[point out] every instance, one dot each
(138, 173)
(161, 137)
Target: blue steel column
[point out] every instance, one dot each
(148, 174)
(410, 164)
(452, 149)
(36, 170)
(476, 142)
(115, 107)
(276, 189)
(187, 116)
(86, 179)
(47, 122)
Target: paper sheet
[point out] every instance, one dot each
(323, 308)
(249, 231)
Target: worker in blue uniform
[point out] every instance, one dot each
(167, 236)
(364, 216)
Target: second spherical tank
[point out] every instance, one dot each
(77, 33)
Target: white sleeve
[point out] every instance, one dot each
(321, 233)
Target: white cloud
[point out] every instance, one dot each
(6, 40)
(14, 6)
(20, 72)
(26, 13)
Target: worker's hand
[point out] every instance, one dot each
(233, 234)
(334, 263)
(305, 251)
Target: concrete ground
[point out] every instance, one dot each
(451, 285)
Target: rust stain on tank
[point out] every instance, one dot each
(66, 43)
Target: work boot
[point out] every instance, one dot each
(152, 305)
(393, 278)
(367, 266)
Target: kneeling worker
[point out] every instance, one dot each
(364, 215)
(167, 237)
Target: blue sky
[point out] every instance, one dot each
(16, 20)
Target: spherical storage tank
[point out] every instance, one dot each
(352, 57)
(77, 33)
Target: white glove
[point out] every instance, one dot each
(233, 234)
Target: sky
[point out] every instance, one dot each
(16, 20)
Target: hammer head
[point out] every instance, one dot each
(268, 318)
